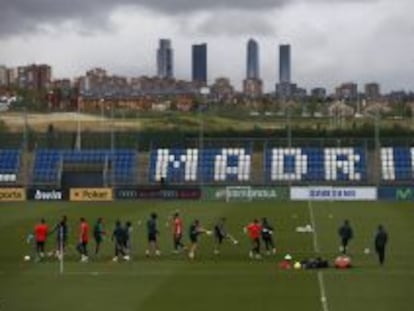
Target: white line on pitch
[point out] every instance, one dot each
(353, 273)
(324, 299)
(313, 223)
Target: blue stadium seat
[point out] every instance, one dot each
(9, 165)
(46, 166)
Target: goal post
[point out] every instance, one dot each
(238, 193)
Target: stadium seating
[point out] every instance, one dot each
(397, 164)
(48, 164)
(9, 165)
(193, 165)
(315, 164)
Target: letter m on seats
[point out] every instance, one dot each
(174, 165)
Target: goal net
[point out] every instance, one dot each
(238, 193)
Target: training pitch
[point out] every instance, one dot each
(229, 281)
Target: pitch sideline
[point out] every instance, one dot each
(321, 282)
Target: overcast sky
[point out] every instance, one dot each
(333, 41)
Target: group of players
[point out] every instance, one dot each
(257, 231)
(346, 234)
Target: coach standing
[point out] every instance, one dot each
(381, 239)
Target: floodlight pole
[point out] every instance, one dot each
(102, 106)
(25, 146)
(112, 161)
(25, 128)
(289, 127)
(204, 91)
(412, 117)
(288, 115)
(377, 130)
(112, 128)
(79, 130)
(377, 138)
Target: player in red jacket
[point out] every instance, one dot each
(83, 240)
(41, 231)
(177, 232)
(254, 231)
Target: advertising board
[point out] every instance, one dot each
(157, 193)
(327, 193)
(396, 193)
(248, 193)
(40, 194)
(90, 194)
(12, 194)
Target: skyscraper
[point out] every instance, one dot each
(252, 85)
(252, 71)
(284, 64)
(285, 89)
(165, 66)
(199, 53)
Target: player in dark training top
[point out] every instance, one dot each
(128, 240)
(61, 230)
(221, 234)
(267, 237)
(195, 231)
(381, 240)
(119, 238)
(346, 234)
(98, 234)
(152, 233)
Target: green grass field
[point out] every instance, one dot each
(230, 281)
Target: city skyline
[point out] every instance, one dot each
(122, 37)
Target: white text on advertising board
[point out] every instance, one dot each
(48, 195)
(333, 193)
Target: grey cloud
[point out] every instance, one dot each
(231, 22)
(21, 16)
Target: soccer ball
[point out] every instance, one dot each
(235, 242)
(367, 251)
(297, 265)
(26, 258)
